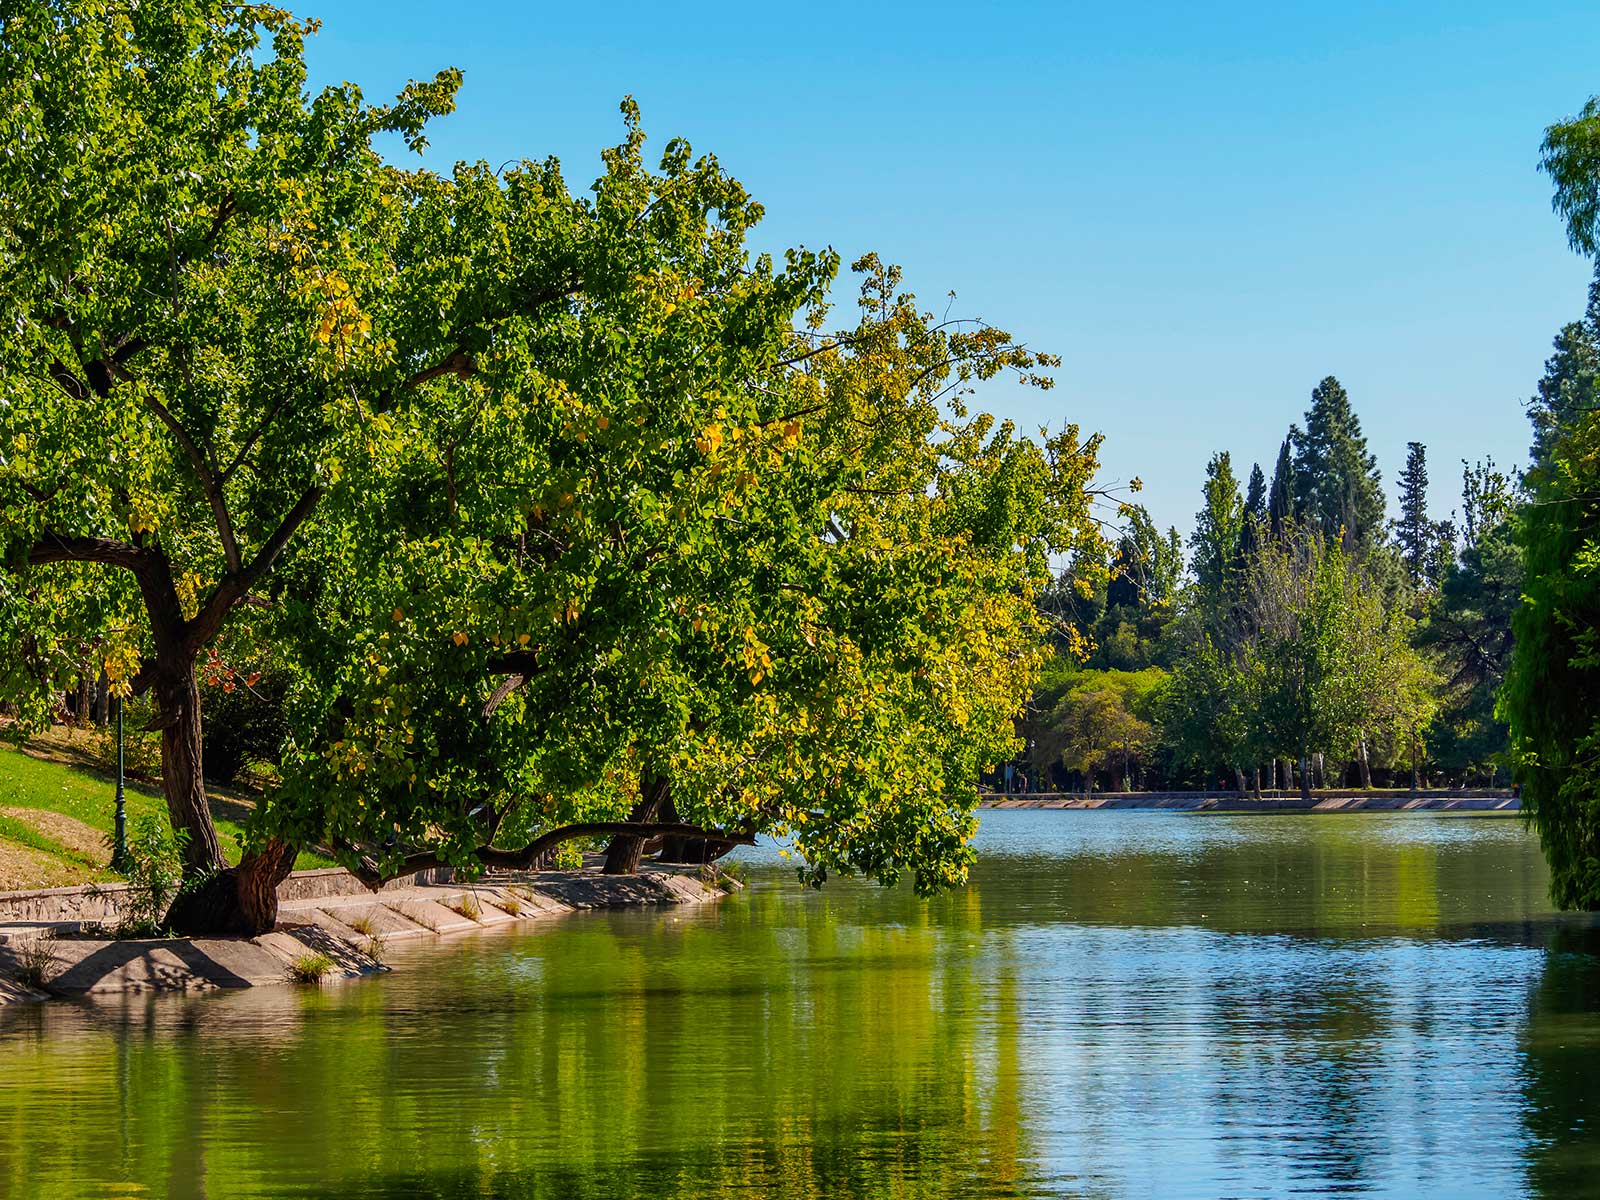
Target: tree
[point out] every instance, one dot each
(1337, 485)
(1566, 389)
(1426, 546)
(1467, 629)
(1103, 724)
(1551, 695)
(761, 582)
(1217, 526)
(1140, 596)
(195, 254)
(1281, 496)
(1253, 524)
(1325, 664)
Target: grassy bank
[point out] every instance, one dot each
(56, 812)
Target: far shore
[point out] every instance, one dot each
(1502, 801)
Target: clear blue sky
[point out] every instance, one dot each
(1204, 208)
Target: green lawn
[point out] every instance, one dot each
(88, 795)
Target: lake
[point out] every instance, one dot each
(1122, 1004)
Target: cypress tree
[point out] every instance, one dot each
(1280, 500)
(1255, 513)
(1215, 540)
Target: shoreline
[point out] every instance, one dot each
(1481, 800)
(326, 916)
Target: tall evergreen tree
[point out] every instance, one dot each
(1253, 527)
(1215, 540)
(1415, 532)
(1567, 388)
(1281, 497)
(1337, 484)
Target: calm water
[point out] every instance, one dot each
(1122, 1004)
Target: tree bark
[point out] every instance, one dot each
(1305, 777)
(1364, 761)
(178, 705)
(240, 900)
(624, 852)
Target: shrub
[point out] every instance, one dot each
(153, 869)
(567, 857)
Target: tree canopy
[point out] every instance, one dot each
(558, 513)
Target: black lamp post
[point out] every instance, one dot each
(119, 838)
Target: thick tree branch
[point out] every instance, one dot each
(208, 482)
(60, 548)
(273, 546)
(370, 873)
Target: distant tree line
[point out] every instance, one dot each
(1307, 641)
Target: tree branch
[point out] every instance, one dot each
(370, 873)
(59, 548)
(208, 482)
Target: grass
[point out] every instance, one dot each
(467, 905)
(364, 925)
(511, 904)
(61, 784)
(310, 968)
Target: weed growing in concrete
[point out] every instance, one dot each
(511, 904)
(364, 925)
(467, 905)
(34, 960)
(310, 968)
(375, 948)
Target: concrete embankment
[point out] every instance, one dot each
(1499, 800)
(49, 944)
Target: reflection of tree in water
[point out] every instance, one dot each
(1561, 1055)
(737, 1058)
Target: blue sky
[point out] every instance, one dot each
(1204, 208)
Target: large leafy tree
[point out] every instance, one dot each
(767, 582)
(203, 304)
(1325, 662)
(1552, 689)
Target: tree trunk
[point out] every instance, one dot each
(83, 699)
(1364, 761)
(1416, 768)
(178, 701)
(1238, 775)
(1305, 777)
(624, 853)
(240, 900)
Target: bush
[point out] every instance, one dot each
(153, 869)
(567, 857)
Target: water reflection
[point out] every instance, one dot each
(1120, 1005)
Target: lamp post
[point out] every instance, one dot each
(119, 838)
